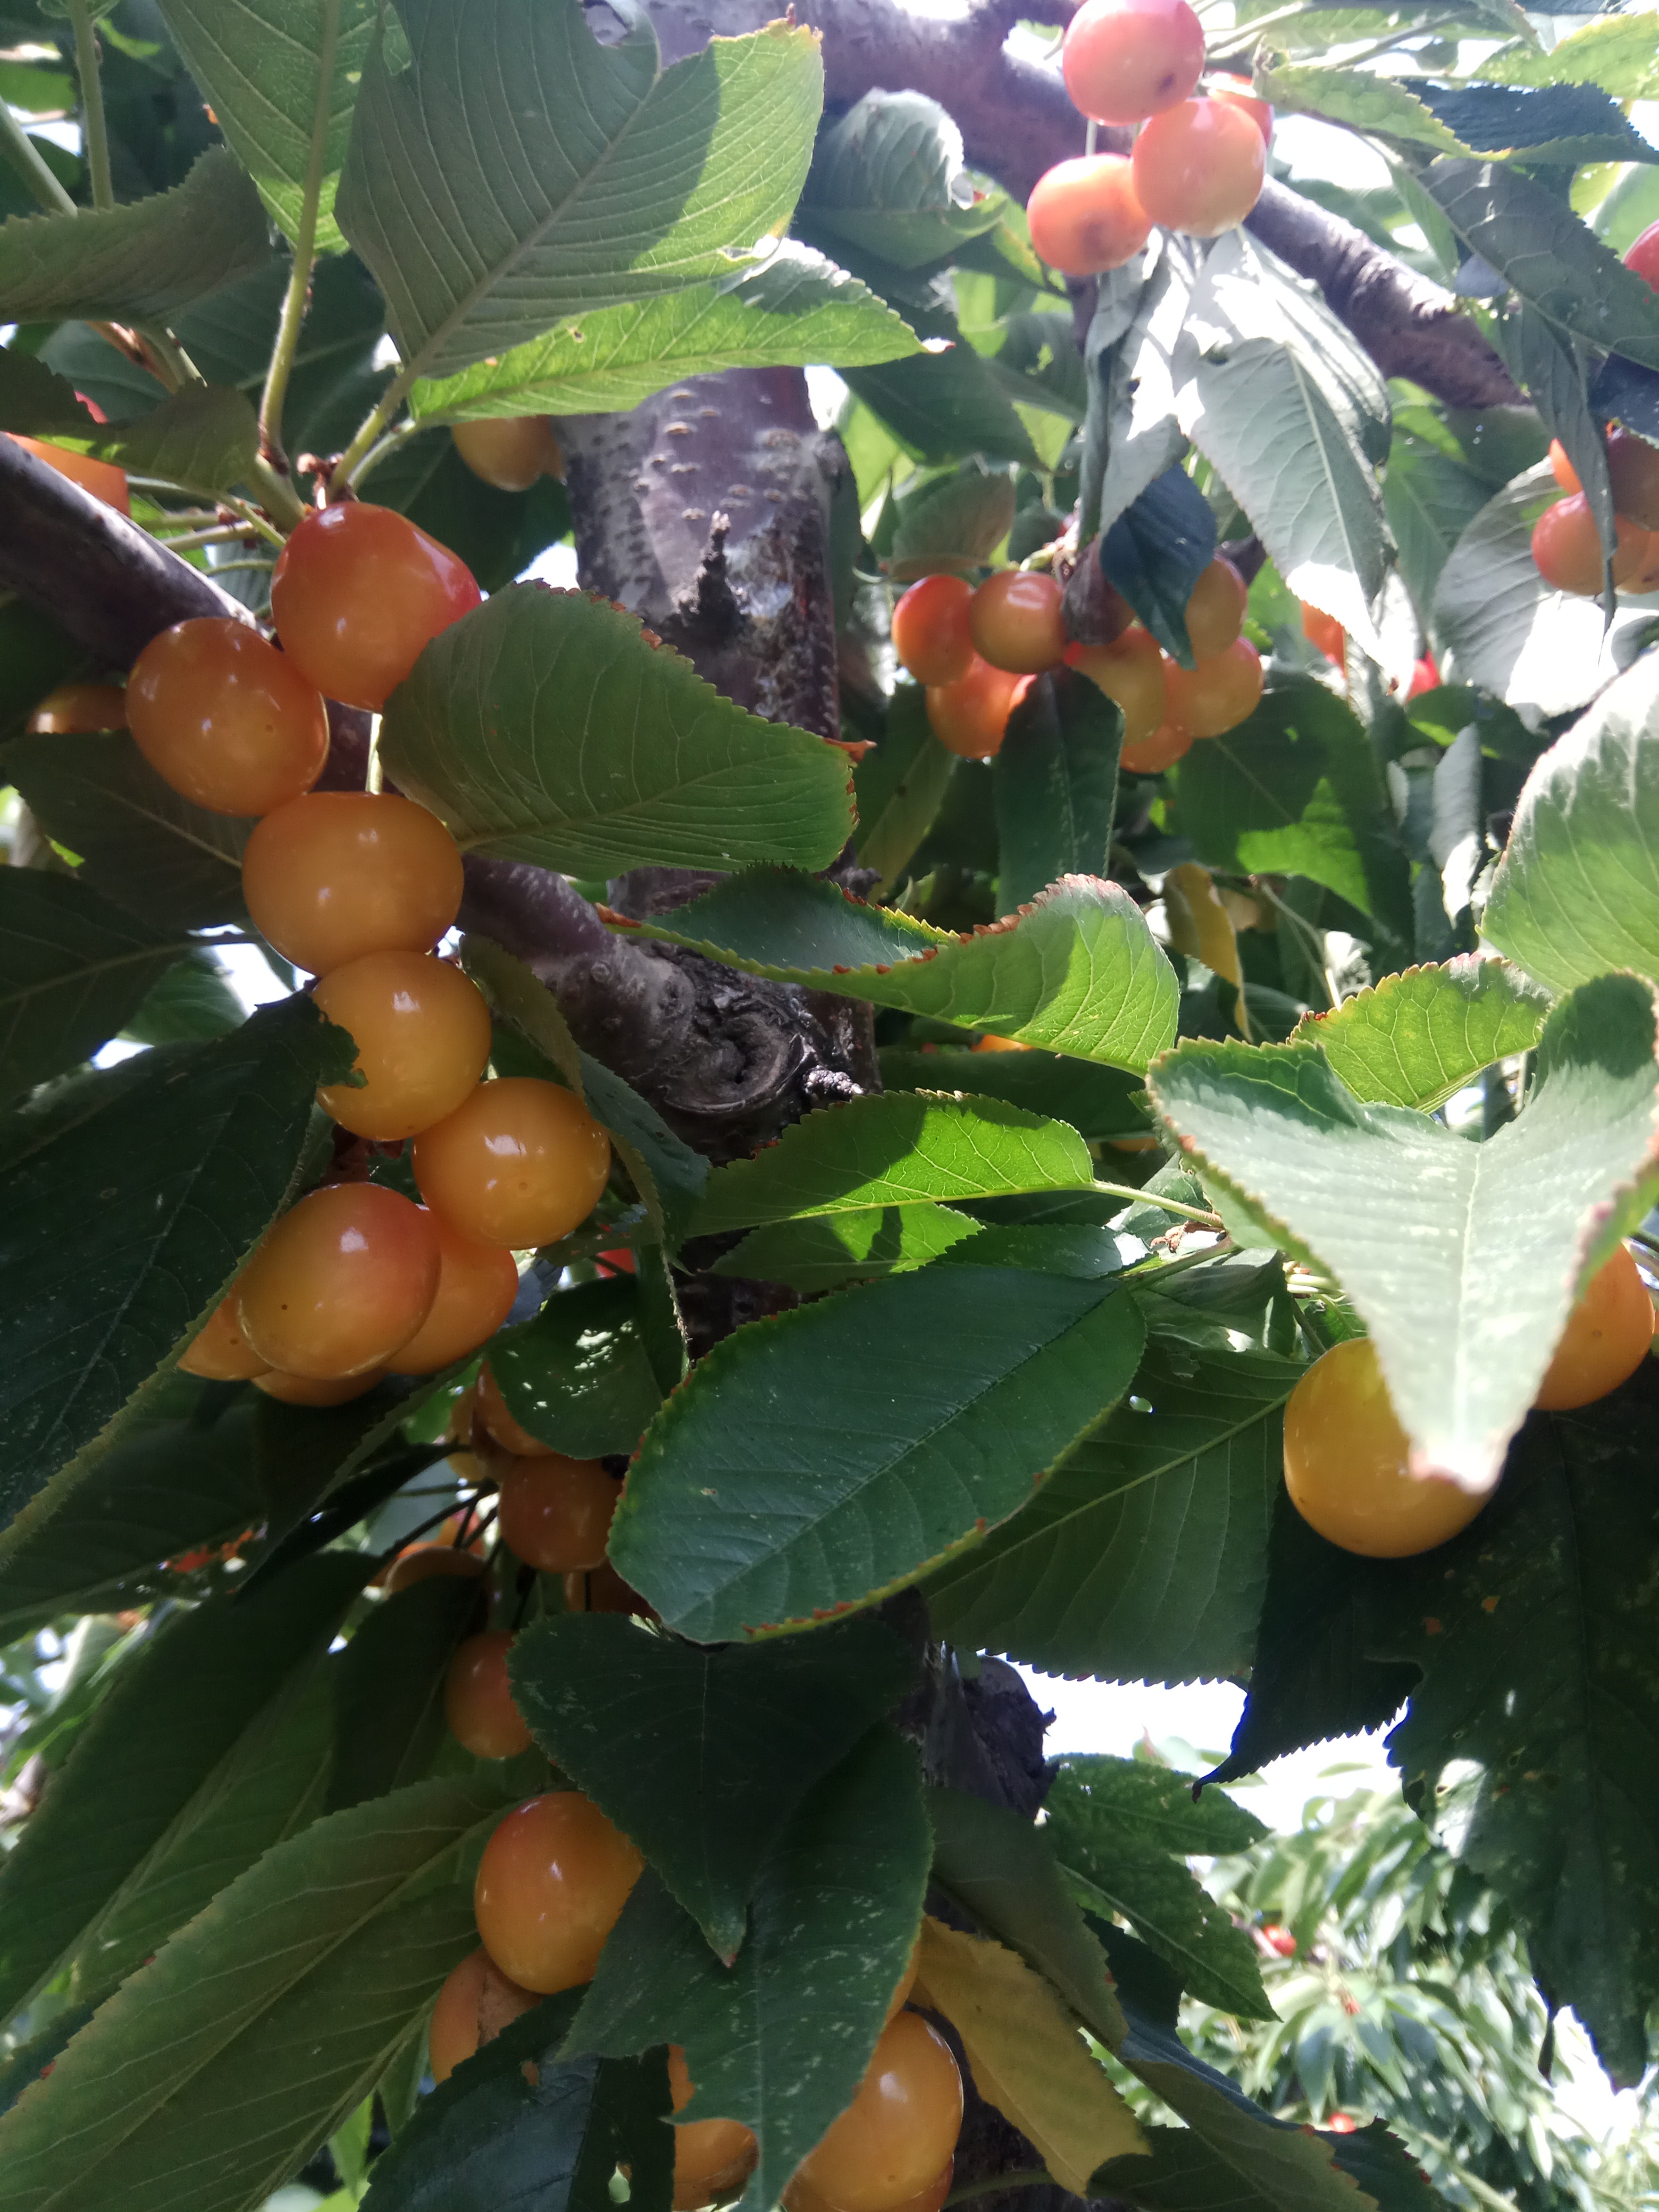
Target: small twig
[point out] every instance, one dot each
(24, 156)
(1143, 1197)
(93, 129)
(298, 294)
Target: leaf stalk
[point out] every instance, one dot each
(94, 130)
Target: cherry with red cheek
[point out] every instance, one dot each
(357, 592)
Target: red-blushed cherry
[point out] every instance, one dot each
(357, 592)
(1017, 621)
(1124, 60)
(931, 633)
(1199, 167)
(1083, 215)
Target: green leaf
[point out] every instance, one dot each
(1363, 101)
(1463, 1260)
(1615, 52)
(1576, 892)
(119, 1232)
(1000, 1869)
(1560, 123)
(848, 1248)
(545, 727)
(667, 1173)
(152, 852)
(1126, 1828)
(281, 76)
(900, 785)
(1421, 1035)
(205, 438)
(903, 1149)
(137, 264)
(723, 1744)
(1296, 789)
(34, 400)
(794, 308)
(1078, 971)
(74, 970)
(952, 523)
(1144, 1554)
(182, 1745)
(1055, 784)
(164, 1488)
(1553, 261)
(1098, 1102)
(883, 1428)
(1282, 401)
(515, 2126)
(191, 1004)
(888, 178)
(1430, 498)
(617, 182)
(388, 1686)
(945, 407)
(577, 1375)
(1132, 435)
(333, 1943)
(1535, 1640)
(780, 2039)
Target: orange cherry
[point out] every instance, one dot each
(421, 1030)
(336, 875)
(316, 1390)
(474, 2005)
(1131, 671)
(510, 452)
(340, 1282)
(101, 479)
(1199, 167)
(1083, 215)
(356, 594)
(219, 1350)
(890, 2144)
(931, 636)
(476, 1285)
(421, 1562)
(551, 1882)
(556, 1512)
(1161, 750)
(501, 1426)
(479, 1698)
(226, 719)
(970, 716)
(1609, 1332)
(1217, 694)
(712, 2158)
(1017, 621)
(78, 709)
(519, 1162)
(1566, 548)
(1215, 610)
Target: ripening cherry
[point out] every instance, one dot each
(476, 1285)
(509, 451)
(1231, 93)
(552, 1880)
(1644, 256)
(1633, 472)
(1124, 60)
(1346, 1462)
(219, 1352)
(1215, 610)
(899, 2130)
(1608, 1334)
(712, 2158)
(931, 636)
(1325, 633)
(357, 591)
(556, 1512)
(1083, 215)
(1340, 2123)
(101, 479)
(1217, 694)
(1199, 167)
(316, 1390)
(500, 1426)
(969, 717)
(224, 718)
(421, 1030)
(990, 1043)
(1130, 670)
(1562, 469)
(479, 1698)
(421, 1562)
(519, 1162)
(1161, 750)
(344, 1278)
(1279, 1939)
(474, 2005)
(1566, 549)
(78, 709)
(1016, 623)
(339, 874)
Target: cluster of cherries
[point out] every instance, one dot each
(556, 1875)
(977, 652)
(358, 888)
(1197, 164)
(1346, 1457)
(1565, 545)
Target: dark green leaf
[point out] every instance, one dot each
(191, 1004)
(74, 970)
(333, 1943)
(883, 1428)
(780, 2039)
(1131, 434)
(1144, 1554)
(120, 1232)
(144, 845)
(848, 1248)
(1296, 788)
(34, 400)
(889, 177)
(900, 786)
(205, 438)
(945, 407)
(1559, 123)
(1079, 971)
(388, 1686)
(1097, 1101)
(903, 1148)
(544, 728)
(1155, 551)
(723, 1743)
(182, 1747)
(137, 264)
(1055, 783)
(620, 182)
(578, 1376)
